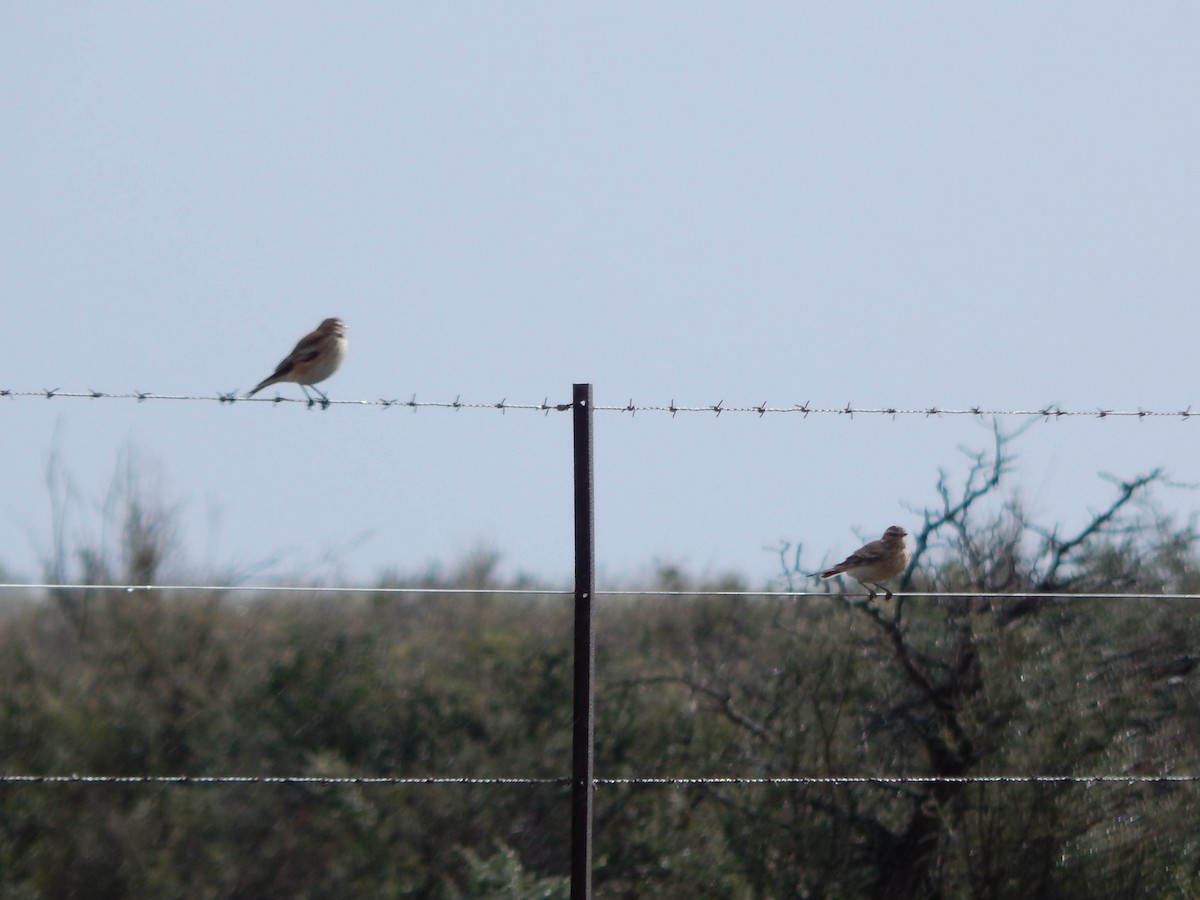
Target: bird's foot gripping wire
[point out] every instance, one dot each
(312, 401)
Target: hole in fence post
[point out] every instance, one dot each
(582, 780)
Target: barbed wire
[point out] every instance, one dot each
(1049, 412)
(634, 781)
(564, 593)
(903, 779)
(806, 409)
(232, 397)
(276, 779)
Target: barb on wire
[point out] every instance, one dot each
(1051, 412)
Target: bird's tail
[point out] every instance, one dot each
(266, 382)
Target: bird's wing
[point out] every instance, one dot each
(868, 553)
(306, 351)
(860, 557)
(308, 347)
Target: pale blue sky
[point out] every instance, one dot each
(883, 204)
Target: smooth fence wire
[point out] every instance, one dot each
(278, 589)
(555, 592)
(1051, 411)
(932, 595)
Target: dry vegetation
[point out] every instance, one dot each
(105, 682)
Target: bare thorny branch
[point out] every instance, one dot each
(981, 554)
(982, 479)
(1060, 550)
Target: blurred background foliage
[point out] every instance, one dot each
(698, 683)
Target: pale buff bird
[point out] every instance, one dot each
(315, 358)
(875, 562)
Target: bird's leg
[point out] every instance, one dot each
(324, 401)
(887, 595)
(871, 595)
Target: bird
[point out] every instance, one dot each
(875, 562)
(314, 358)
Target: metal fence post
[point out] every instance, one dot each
(582, 783)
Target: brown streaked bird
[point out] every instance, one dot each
(314, 358)
(875, 562)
